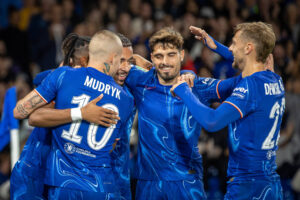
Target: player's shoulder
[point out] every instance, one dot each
(141, 72)
(201, 82)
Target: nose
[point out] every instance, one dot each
(125, 66)
(230, 48)
(165, 60)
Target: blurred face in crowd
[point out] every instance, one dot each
(237, 48)
(126, 60)
(167, 61)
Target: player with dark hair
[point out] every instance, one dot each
(169, 165)
(253, 112)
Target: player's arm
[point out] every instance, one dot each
(211, 43)
(47, 116)
(28, 104)
(211, 120)
(141, 62)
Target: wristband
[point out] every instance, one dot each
(76, 114)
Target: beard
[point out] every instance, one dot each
(167, 76)
(238, 63)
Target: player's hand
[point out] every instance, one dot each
(201, 34)
(98, 115)
(142, 62)
(189, 78)
(269, 64)
(179, 81)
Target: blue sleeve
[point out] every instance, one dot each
(187, 72)
(222, 51)
(40, 77)
(243, 97)
(206, 88)
(225, 87)
(134, 75)
(211, 120)
(50, 85)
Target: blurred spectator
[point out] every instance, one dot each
(31, 32)
(16, 41)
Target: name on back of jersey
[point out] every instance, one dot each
(272, 89)
(102, 87)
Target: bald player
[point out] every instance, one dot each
(79, 162)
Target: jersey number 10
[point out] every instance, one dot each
(71, 135)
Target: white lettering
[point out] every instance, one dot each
(88, 82)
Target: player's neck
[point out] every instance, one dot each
(103, 67)
(169, 82)
(251, 67)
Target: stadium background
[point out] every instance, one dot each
(31, 33)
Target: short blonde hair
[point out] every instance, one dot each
(104, 43)
(168, 37)
(261, 34)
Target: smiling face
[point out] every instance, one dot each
(167, 61)
(237, 49)
(126, 60)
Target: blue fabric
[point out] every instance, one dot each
(121, 153)
(8, 121)
(170, 190)
(80, 155)
(27, 178)
(211, 120)
(59, 193)
(41, 76)
(254, 114)
(168, 134)
(254, 189)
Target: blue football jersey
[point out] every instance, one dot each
(253, 138)
(80, 152)
(121, 155)
(168, 134)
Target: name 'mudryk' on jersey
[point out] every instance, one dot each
(80, 154)
(168, 134)
(253, 139)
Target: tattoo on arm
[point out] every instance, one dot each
(22, 111)
(107, 68)
(29, 105)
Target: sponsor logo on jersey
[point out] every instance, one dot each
(71, 148)
(208, 81)
(270, 153)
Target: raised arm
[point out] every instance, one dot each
(47, 116)
(211, 43)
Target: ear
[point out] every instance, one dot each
(181, 55)
(83, 61)
(248, 48)
(152, 57)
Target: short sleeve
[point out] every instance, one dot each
(50, 85)
(242, 97)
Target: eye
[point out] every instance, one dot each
(172, 54)
(158, 56)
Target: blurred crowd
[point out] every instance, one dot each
(31, 34)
